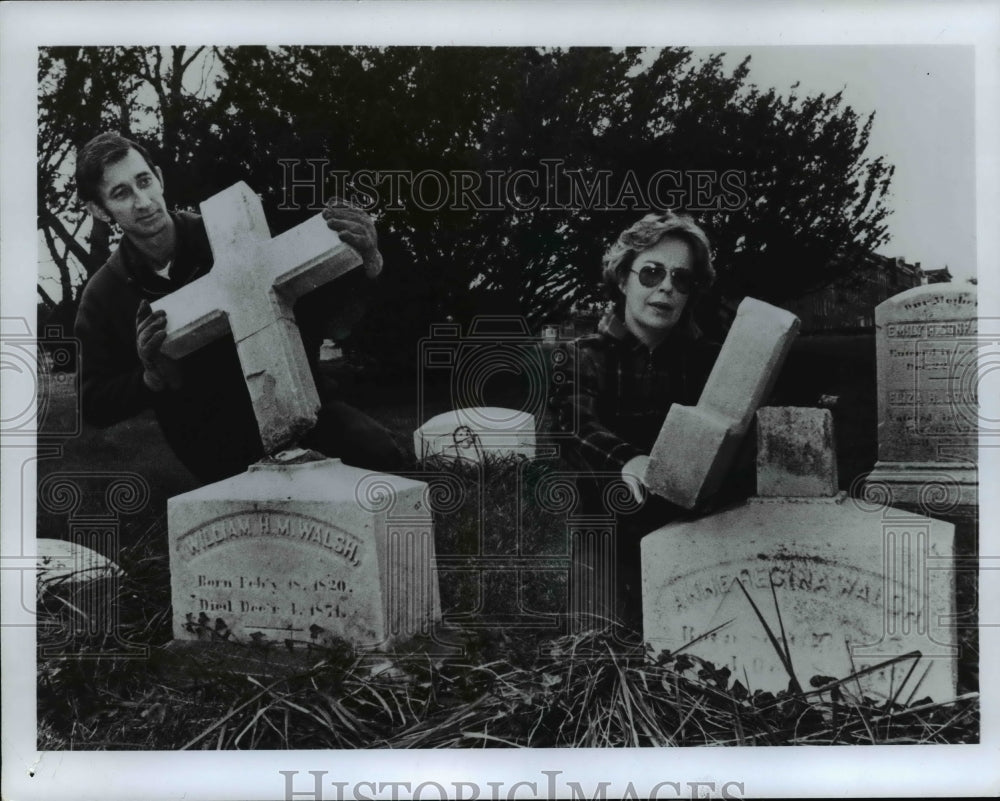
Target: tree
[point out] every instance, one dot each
(138, 92)
(804, 196)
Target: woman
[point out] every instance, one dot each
(613, 391)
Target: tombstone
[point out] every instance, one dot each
(300, 548)
(470, 434)
(61, 562)
(550, 333)
(696, 445)
(848, 588)
(301, 552)
(928, 409)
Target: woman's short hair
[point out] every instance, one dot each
(98, 153)
(646, 233)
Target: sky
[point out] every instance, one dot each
(924, 103)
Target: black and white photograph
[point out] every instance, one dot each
(403, 400)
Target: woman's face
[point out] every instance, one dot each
(651, 312)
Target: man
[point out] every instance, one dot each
(201, 402)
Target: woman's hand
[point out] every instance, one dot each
(632, 474)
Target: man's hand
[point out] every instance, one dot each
(159, 372)
(632, 473)
(356, 229)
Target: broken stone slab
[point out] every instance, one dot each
(696, 445)
(250, 291)
(848, 589)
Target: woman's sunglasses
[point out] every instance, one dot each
(681, 278)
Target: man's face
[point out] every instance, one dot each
(131, 195)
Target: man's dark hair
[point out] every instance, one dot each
(98, 153)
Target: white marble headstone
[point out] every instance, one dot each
(303, 552)
(853, 586)
(470, 434)
(928, 406)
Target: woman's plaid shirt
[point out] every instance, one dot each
(610, 394)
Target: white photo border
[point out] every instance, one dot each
(777, 772)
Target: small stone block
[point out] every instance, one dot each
(795, 453)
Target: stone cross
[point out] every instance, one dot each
(697, 444)
(250, 290)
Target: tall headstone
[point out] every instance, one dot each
(300, 548)
(847, 588)
(928, 407)
(696, 445)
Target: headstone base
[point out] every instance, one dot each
(934, 487)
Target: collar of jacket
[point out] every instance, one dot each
(191, 255)
(611, 325)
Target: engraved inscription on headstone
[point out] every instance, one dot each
(302, 553)
(928, 407)
(853, 588)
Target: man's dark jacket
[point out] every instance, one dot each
(209, 421)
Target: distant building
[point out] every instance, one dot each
(848, 304)
(582, 319)
(942, 276)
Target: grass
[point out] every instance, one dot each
(506, 683)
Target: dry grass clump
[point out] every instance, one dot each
(586, 690)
